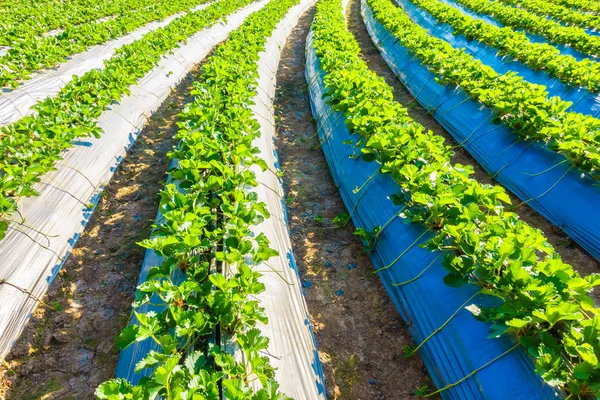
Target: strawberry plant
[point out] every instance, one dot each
(32, 18)
(563, 14)
(543, 304)
(520, 105)
(589, 6)
(551, 30)
(205, 232)
(32, 145)
(516, 45)
(26, 18)
(32, 53)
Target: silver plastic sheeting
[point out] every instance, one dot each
(291, 343)
(16, 104)
(79, 179)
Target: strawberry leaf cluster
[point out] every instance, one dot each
(25, 18)
(516, 45)
(590, 6)
(208, 211)
(32, 53)
(518, 104)
(523, 19)
(564, 14)
(32, 146)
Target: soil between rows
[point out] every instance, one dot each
(359, 334)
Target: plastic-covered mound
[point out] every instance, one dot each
(550, 184)
(584, 101)
(461, 346)
(17, 103)
(563, 48)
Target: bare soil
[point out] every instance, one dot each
(66, 354)
(359, 334)
(570, 251)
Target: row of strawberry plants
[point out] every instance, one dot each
(545, 303)
(31, 146)
(538, 56)
(591, 6)
(560, 13)
(547, 28)
(208, 216)
(23, 19)
(522, 106)
(34, 53)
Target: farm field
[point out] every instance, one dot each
(300, 199)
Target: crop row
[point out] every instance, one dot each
(545, 303)
(522, 106)
(207, 216)
(24, 19)
(519, 104)
(34, 53)
(31, 146)
(561, 13)
(551, 30)
(538, 56)
(583, 5)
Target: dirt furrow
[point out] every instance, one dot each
(359, 334)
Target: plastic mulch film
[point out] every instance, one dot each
(536, 174)
(291, 341)
(17, 103)
(61, 209)
(461, 346)
(584, 101)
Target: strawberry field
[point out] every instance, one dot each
(299, 199)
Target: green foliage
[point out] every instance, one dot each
(516, 45)
(545, 304)
(564, 14)
(341, 219)
(31, 52)
(31, 146)
(518, 104)
(31, 18)
(583, 5)
(551, 30)
(421, 390)
(208, 217)
(369, 238)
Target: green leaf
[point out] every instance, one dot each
(455, 280)
(586, 352)
(127, 336)
(584, 370)
(119, 389)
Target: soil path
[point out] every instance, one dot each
(66, 354)
(359, 334)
